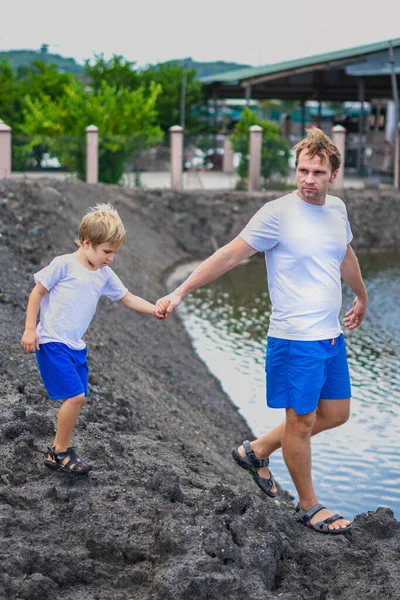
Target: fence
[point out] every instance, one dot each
(181, 162)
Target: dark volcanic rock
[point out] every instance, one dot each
(165, 514)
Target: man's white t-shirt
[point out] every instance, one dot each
(304, 246)
(74, 291)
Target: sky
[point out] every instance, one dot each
(254, 32)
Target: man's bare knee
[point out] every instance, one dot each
(339, 419)
(338, 413)
(299, 425)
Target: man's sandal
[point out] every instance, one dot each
(252, 464)
(305, 516)
(75, 464)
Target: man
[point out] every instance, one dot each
(306, 239)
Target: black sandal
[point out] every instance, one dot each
(75, 464)
(252, 464)
(305, 516)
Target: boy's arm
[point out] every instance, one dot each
(351, 273)
(29, 340)
(142, 306)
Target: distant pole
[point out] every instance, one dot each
(339, 139)
(5, 151)
(303, 117)
(396, 118)
(92, 154)
(183, 96)
(361, 97)
(247, 93)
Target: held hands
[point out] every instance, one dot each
(355, 316)
(30, 341)
(166, 306)
(161, 309)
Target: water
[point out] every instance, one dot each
(356, 467)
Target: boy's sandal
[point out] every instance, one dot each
(75, 464)
(305, 516)
(252, 464)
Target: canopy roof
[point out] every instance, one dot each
(333, 76)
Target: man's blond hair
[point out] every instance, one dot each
(317, 143)
(101, 225)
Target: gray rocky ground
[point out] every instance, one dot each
(165, 514)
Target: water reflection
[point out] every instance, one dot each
(356, 467)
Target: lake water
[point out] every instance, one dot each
(356, 467)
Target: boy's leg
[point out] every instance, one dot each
(66, 421)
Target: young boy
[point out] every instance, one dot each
(66, 294)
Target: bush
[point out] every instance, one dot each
(275, 149)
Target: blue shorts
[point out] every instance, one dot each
(64, 371)
(299, 374)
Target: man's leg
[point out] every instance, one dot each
(296, 448)
(329, 414)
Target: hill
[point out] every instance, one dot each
(208, 68)
(23, 58)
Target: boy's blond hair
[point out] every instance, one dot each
(102, 225)
(317, 143)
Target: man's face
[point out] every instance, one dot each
(313, 177)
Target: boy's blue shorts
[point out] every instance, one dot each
(64, 371)
(299, 374)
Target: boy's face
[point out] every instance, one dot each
(101, 255)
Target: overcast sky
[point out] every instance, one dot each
(253, 32)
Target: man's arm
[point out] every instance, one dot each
(351, 273)
(222, 261)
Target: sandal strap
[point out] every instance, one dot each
(256, 462)
(306, 515)
(332, 519)
(72, 456)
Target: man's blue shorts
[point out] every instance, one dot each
(299, 374)
(64, 371)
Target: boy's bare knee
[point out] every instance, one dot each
(78, 401)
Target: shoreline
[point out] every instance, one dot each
(166, 512)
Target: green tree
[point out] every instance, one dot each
(41, 79)
(170, 76)
(126, 120)
(275, 149)
(117, 72)
(36, 81)
(8, 93)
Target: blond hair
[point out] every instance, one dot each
(102, 224)
(317, 143)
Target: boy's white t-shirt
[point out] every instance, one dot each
(304, 246)
(68, 309)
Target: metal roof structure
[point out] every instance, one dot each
(362, 73)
